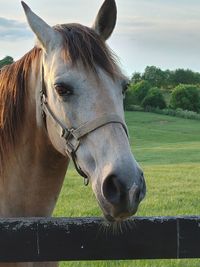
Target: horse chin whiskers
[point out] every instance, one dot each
(115, 227)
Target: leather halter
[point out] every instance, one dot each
(73, 136)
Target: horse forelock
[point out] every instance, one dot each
(13, 90)
(83, 44)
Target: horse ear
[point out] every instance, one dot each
(106, 19)
(45, 33)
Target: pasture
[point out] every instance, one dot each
(168, 149)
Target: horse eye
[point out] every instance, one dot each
(63, 90)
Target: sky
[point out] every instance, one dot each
(164, 33)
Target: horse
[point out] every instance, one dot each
(63, 101)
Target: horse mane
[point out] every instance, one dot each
(83, 44)
(13, 89)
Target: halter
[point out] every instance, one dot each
(73, 136)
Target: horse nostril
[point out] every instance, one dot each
(137, 195)
(112, 189)
(142, 176)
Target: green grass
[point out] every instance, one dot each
(168, 149)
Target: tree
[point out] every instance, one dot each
(129, 98)
(181, 76)
(140, 90)
(167, 81)
(155, 76)
(136, 93)
(186, 97)
(154, 98)
(136, 77)
(6, 61)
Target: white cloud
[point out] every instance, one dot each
(13, 30)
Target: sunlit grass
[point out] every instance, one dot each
(168, 149)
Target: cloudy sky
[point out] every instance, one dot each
(165, 33)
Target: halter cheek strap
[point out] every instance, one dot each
(73, 136)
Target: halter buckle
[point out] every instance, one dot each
(66, 134)
(72, 148)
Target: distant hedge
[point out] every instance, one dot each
(186, 114)
(136, 93)
(154, 98)
(186, 97)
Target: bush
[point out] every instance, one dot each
(136, 93)
(6, 61)
(186, 97)
(135, 108)
(129, 99)
(140, 90)
(154, 99)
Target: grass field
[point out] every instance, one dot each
(168, 149)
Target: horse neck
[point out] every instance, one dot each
(35, 170)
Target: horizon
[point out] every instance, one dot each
(153, 33)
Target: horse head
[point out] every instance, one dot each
(81, 97)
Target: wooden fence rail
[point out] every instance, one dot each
(59, 239)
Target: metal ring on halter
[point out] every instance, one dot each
(86, 181)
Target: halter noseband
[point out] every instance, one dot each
(73, 136)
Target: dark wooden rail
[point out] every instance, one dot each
(52, 239)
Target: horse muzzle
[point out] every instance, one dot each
(120, 199)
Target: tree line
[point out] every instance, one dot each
(6, 61)
(166, 78)
(155, 88)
